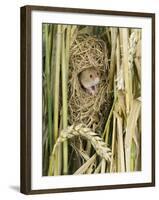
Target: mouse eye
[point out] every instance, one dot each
(90, 75)
(97, 74)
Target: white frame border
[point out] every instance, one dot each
(39, 182)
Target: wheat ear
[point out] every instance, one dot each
(80, 130)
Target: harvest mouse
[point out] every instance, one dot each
(89, 79)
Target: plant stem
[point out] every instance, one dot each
(120, 142)
(64, 100)
(47, 71)
(113, 52)
(56, 91)
(130, 131)
(126, 68)
(106, 129)
(113, 144)
(103, 166)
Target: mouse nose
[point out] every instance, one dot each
(96, 79)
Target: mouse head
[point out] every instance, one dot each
(89, 77)
(93, 75)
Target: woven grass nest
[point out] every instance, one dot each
(91, 110)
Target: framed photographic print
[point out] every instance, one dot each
(87, 99)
